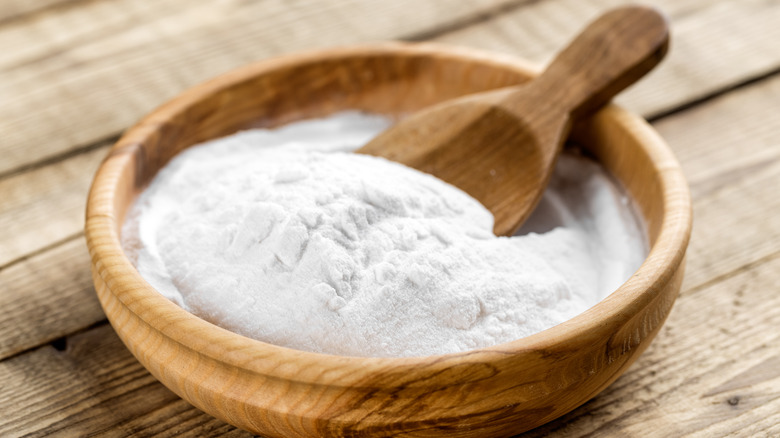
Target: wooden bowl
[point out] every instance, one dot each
(280, 392)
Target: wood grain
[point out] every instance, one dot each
(714, 370)
(19, 9)
(45, 297)
(710, 143)
(44, 206)
(719, 45)
(93, 385)
(64, 74)
(735, 179)
(716, 44)
(716, 154)
(80, 61)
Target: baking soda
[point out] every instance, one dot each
(287, 237)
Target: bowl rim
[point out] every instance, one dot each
(123, 281)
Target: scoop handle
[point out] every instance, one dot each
(610, 54)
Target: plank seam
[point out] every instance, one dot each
(421, 36)
(463, 23)
(63, 4)
(733, 273)
(31, 348)
(54, 159)
(41, 250)
(736, 86)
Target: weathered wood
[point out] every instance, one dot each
(728, 142)
(82, 61)
(93, 385)
(85, 74)
(44, 206)
(724, 161)
(735, 9)
(715, 44)
(45, 297)
(730, 153)
(19, 9)
(728, 139)
(714, 369)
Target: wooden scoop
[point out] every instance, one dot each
(500, 146)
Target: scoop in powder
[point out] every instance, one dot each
(286, 237)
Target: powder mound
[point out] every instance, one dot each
(321, 250)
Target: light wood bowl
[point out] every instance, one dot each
(280, 392)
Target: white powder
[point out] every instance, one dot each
(286, 237)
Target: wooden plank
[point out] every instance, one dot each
(82, 62)
(48, 218)
(730, 152)
(45, 297)
(737, 226)
(681, 336)
(728, 139)
(93, 386)
(18, 9)
(732, 180)
(85, 74)
(45, 206)
(714, 44)
(731, 161)
(714, 370)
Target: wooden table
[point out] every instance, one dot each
(75, 73)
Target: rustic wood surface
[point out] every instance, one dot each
(75, 73)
